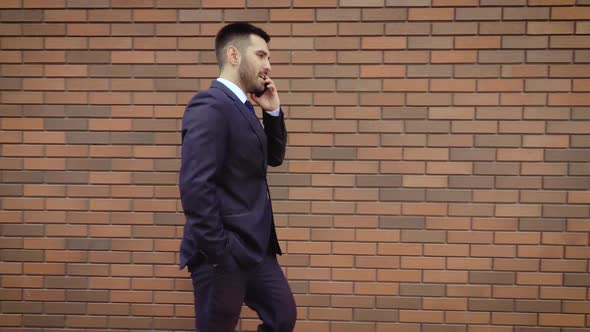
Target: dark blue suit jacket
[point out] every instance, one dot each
(223, 187)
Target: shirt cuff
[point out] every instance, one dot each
(276, 112)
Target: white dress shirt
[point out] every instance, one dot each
(241, 95)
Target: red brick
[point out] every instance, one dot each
(494, 251)
(10, 57)
(429, 316)
(384, 43)
(12, 4)
(317, 3)
(154, 15)
(573, 320)
(22, 43)
(453, 56)
(550, 28)
(70, 15)
(66, 70)
(297, 15)
(550, 2)
(568, 41)
(570, 13)
(431, 14)
(479, 42)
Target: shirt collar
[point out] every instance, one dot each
(234, 88)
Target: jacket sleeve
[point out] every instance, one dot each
(276, 136)
(204, 139)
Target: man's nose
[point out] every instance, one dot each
(267, 67)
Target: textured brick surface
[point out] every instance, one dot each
(436, 178)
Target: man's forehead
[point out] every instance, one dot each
(258, 44)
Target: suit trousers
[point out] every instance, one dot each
(221, 290)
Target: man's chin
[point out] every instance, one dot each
(259, 90)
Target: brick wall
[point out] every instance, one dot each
(436, 181)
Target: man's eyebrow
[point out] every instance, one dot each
(263, 52)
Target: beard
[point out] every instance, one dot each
(249, 78)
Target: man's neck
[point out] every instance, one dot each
(232, 78)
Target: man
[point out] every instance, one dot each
(229, 242)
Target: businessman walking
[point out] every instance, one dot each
(229, 243)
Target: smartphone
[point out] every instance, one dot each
(263, 91)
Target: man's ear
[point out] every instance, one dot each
(233, 55)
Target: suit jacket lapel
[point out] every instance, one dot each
(247, 114)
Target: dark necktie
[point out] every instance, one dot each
(250, 107)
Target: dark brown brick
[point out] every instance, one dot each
(82, 111)
(575, 279)
(375, 315)
(11, 190)
(25, 15)
(110, 71)
(422, 290)
(65, 124)
(549, 56)
(14, 110)
(289, 179)
(341, 153)
(403, 139)
(10, 255)
(492, 305)
(64, 308)
(545, 224)
(22, 230)
(87, 57)
(570, 155)
(518, 182)
(423, 236)
(22, 307)
(526, 13)
(88, 244)
(503, 168)
(502, 28)
(579, 169)
(402, 195)
(87, 295)
(21, 177)
(566, 183)
(503, 278)
(44, 321)
(87, 137)
(401, 222)
(415, 126)
(576, 306)
(10, 83)
(66, 282)
(430, 70)
(460, 154)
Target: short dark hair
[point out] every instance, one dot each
(234, 31)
